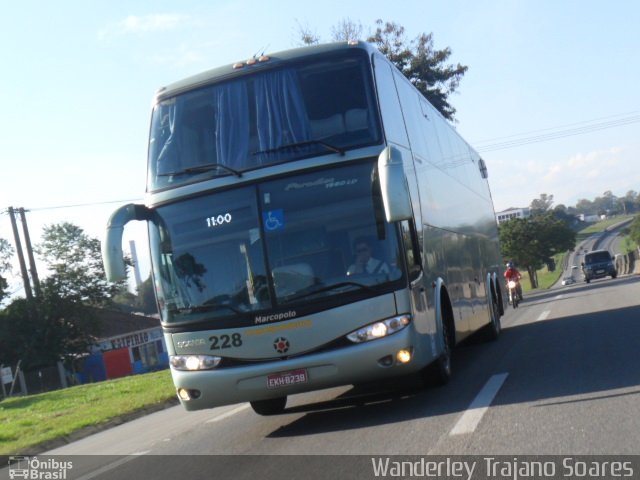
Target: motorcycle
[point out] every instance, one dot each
(514, 296)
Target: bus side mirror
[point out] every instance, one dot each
(393, 186)
(112, 255)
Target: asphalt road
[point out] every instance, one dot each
(564, 378)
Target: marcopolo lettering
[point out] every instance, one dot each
(275, 317)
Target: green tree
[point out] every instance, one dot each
(42, 332)
(346, 30)
(607, 204)
(75, 260)
(5, 265)
(421, 63)
(630, 201)
(634, 230)
(542, 204)
(564, 214)
(59, 323)
(425, 66)
(586, 207)
(532, 242)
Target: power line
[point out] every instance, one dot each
(555, 133)
(77, 205)
(636, 112)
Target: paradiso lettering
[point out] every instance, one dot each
(327, 182)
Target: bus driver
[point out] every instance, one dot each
(364, 263)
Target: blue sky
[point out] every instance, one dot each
(78, 78)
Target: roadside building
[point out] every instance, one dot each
(511, 213)
(591, 218)
(129, 344)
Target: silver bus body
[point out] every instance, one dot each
(270, 316)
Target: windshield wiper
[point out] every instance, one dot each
(328, 146)
(203, 168)
(204, 308)
(331, 287)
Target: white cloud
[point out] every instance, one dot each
(610, 156)
(593, 173)
(180, 56)
(578, 161)
(135, 24)
(581, 175)
(584, 165)
(151, 23)
(553, 173)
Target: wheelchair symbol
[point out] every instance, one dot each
(273, 220)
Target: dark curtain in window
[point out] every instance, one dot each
(280, 110)
(232, 125)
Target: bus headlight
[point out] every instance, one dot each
(379, 329)
(194, 362)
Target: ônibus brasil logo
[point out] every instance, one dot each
(38, 468)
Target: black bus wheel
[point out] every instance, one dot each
(271, 406)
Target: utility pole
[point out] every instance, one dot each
(27, 243)
(23, 267)
(136, 266)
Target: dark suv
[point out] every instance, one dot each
(598, 264)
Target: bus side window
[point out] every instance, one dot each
(411, 245)
(389, 104)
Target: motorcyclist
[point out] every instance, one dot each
(512, 273)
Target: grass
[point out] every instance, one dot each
(545, 278)
(628, 245)
(600, 226)
(26, 422)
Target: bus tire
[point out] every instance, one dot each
(438, 373)
(492, 331)
(271, 406)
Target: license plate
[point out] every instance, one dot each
(284, 379)
(599, 271)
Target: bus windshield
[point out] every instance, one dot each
(318, 106)
(310, 239)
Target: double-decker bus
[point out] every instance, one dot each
(313, 222)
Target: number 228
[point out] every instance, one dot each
(225, 341)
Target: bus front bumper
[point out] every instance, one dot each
(354, 364)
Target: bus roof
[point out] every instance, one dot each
(252, 65)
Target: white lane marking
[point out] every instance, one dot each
(472, 416)
(543, 315)
(229, 413)
(559, 297)
(112, 465)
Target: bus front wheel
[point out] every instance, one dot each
(271, 406)
(439, 372)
